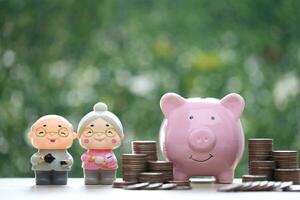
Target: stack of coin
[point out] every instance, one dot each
(286, 159)
(262, 168)
(260, 149)
(151, 177)
(164, 167)
(145, 147)
(288, 175)
(133, 165)
(252, 178)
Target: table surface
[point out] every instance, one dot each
(25, 188)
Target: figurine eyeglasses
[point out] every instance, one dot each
(62, 132)
(110, 132)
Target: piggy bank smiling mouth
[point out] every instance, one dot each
(204, 160)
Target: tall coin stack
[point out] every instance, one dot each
(164, 167)
(145, 147)
(133, 165)
(260, 157)
(287, 168)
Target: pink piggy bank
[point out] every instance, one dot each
(202, 136)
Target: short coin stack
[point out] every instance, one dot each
(145, 147)
(133, 165)
(163, 167)
(286, 166)
(260, 157)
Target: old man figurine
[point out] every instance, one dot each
(52, 135)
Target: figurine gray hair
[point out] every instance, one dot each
(100, 110)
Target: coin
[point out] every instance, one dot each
(122, 183)
(230, 188)
(136, 186)
(153, 186)
(181, 183)
(251, 178)
(167, 186)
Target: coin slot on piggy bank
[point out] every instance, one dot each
(202, 136)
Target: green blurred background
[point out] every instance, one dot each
(63, 56)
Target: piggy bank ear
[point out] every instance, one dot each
(235, 103)
(169, 102)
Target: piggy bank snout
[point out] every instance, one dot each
(202, 140)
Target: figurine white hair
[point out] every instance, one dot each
(101, 111)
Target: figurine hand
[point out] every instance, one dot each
(41, 160)
(109, 158)
(91, 158)
(49, 158)
(99, 160)
(64, 163)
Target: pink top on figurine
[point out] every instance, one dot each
(202, 136)
(94, 159)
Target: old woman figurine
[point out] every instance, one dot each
(100, 132)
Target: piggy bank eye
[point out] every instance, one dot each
(191, 117)
(212, 118)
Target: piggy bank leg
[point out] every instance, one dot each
(59, 177)
(179, 175)
(107, 177)
(225, 177)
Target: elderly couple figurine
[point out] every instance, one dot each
(99, 131)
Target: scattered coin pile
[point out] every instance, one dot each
(151, 186)
(145, 147)
(177, 185)
(275, 165)
(258, 186)
(142, 170)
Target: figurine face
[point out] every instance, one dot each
(52, 132)
(99, 134)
